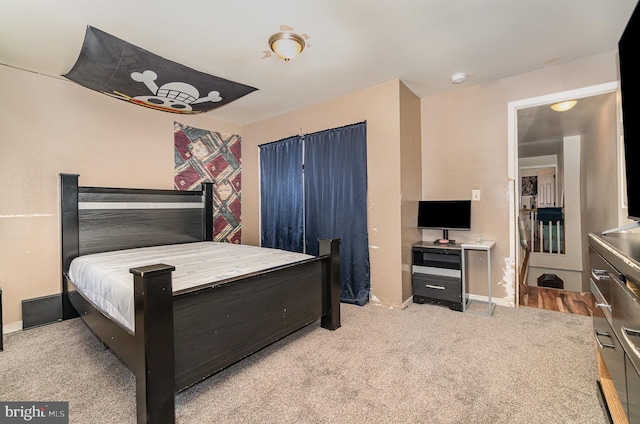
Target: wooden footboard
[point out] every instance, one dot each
(181, 339)
(217, 326)
(154, 344)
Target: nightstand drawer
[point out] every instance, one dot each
(437, 287)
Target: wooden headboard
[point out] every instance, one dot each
(99, 219)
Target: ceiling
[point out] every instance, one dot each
(541, 129)
(354, 44)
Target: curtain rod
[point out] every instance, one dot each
(301, 135)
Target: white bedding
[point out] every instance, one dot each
(104, 278)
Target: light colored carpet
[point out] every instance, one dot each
(424, 364)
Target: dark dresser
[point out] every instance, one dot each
(614, 261)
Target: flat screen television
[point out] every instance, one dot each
(444, 215)
(628, 48)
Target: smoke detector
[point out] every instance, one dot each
(458, 78)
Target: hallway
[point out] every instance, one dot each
(556, 300)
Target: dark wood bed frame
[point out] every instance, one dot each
(183, 337)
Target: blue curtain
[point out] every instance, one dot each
(336, 203)
(281, 195)
(332, 205)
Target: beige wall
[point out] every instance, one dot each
(51, 125)
(600, 169)
(464, 147)
(380, 107)
(410, 180)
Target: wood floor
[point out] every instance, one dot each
(557, 300)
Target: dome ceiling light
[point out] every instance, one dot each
(286, 44)
(564, 106)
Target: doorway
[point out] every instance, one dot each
(514, 149)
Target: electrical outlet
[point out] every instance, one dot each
(475, 195)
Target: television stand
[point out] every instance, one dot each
(436, 274)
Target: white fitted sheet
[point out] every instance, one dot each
(104, 278)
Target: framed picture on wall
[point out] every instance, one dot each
(529, 186)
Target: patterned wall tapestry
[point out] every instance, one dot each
(201, 156)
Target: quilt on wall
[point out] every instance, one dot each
(208, 156)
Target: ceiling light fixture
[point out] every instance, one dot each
(564, 106)
(286, 45)
(458, 78)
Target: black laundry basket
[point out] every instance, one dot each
(550, 281)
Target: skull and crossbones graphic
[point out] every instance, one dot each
(174, 97)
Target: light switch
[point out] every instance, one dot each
(475, 194)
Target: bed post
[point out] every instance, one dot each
(154, 363)
(70, 242)
(331, 289)
(207, 193)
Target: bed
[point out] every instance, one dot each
(181, 335)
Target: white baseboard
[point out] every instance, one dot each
(500, 301)
(407, 302)
(11, 327)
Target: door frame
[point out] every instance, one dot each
(519, 184)
(512, 151)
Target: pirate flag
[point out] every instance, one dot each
(127, 72)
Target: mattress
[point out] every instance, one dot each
(105, 281)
